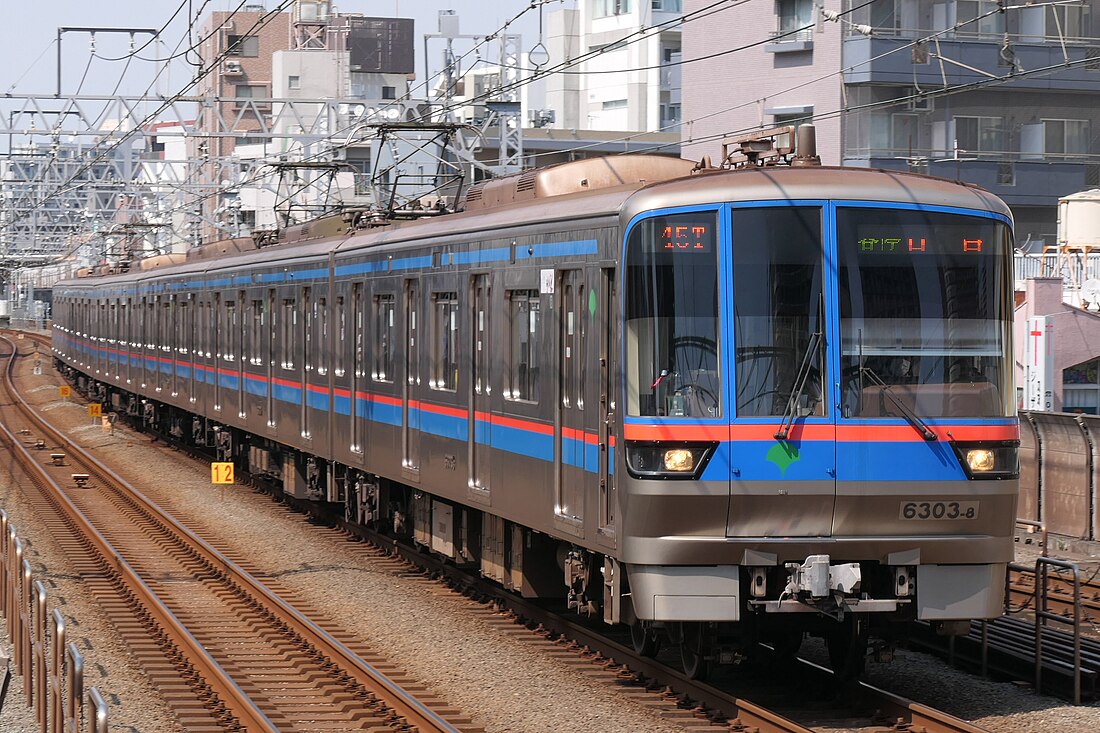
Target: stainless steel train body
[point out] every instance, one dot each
(723, 401)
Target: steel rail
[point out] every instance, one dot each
(250, 716)
(404, 703)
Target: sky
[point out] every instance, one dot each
(28, 54)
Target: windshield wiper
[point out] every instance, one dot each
(911, 417)
(799, 386)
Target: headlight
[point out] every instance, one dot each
(989, 459)
(669, 460)
(679, 459)
(980, 460)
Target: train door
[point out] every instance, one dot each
(239, 350)
(174, 344)
(480, 429)
(307, 356)
(128, 338)
(607, 323)
(573, 431)
(192, 346)
(218, 350)
(782, 453)
(358, 365)
(272, 341)
(410, 406)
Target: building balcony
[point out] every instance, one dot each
(894, 60)
(1017, 182)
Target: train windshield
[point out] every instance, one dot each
(672, 317)
(924, 313)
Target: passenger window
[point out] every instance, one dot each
(523, 366)
(231, 322)
(342, 335)
(320, 314)
(444, 374)
(384, 334)
(256, 335)
(290, 325)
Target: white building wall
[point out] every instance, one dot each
(733, 93)
(619, 89)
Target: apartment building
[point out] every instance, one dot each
(1020, 118)
(628, 80)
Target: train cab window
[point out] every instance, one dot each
(926, 310)
(778, 311)
(523, 354)
(385, 333)
(671, 329)
(290, 327)
(444, 374)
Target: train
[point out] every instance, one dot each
(718, 405)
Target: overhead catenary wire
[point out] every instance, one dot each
(327, 152)
(714, 7)
(135, 51)
(71, 182)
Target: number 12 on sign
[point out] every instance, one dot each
(221, 473)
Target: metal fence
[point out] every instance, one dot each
(1059, 472)
(52, 671)
(1074, 268)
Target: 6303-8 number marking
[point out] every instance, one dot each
(939, 510)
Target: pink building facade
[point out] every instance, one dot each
(735, 84)
(1074, 347)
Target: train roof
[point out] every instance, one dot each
(574, 192)
(812, 183)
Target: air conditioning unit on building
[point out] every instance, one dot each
(919, 104)
(233, 68)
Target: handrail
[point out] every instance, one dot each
(1042, 615)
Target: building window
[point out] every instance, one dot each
(975, 17)
(979, 134)
(523, 367)
(892, 133)
(444, 342)
(605, 8)
(794, 16)
(247, 46)
(1081, 388)
(250, 91)
(293, 82)
(670, 115)
(389, 92)
(1067, 21)
(614, 104)
(668, 6)
(1066, 137)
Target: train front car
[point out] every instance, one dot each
(819, 420)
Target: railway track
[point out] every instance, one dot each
(651, 682)
(1060, 599)
(227, 652)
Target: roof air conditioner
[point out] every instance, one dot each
(233, 68)
(919, 104)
